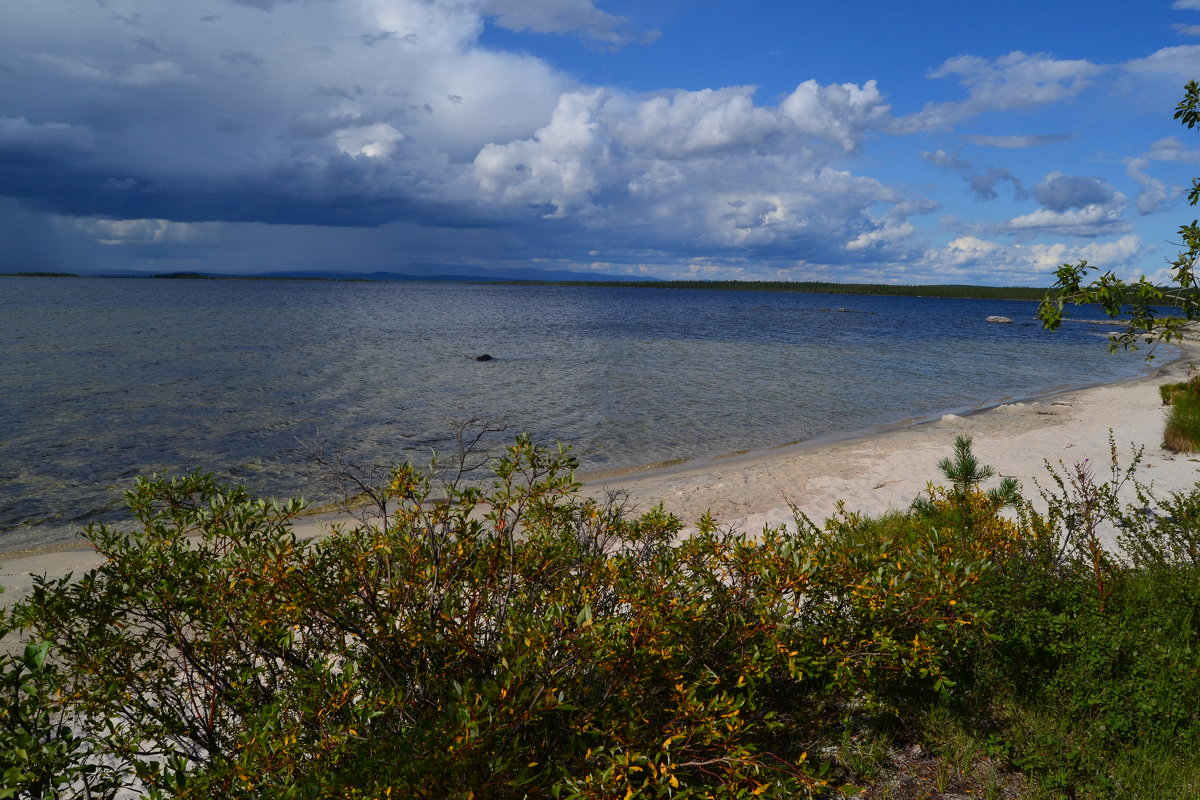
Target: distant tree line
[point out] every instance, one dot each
(826, 287)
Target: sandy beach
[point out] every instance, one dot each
(873, 473)
(887, 470)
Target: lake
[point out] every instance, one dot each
(105, 379)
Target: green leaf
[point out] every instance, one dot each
(35, 655)
(584, 618)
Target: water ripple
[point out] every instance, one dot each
(107, 379)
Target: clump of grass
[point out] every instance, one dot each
(1168, 391)
(1182, 432)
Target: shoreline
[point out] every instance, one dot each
(884, 470)
(704, 463)
(872, 471)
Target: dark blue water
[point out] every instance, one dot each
(106, 379)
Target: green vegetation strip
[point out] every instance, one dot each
(810, 287)
(823, 287)
(521, 641)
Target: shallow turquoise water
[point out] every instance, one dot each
(107, 379)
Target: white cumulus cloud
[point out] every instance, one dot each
(1091, 220)
(1017, 80)
(1181, 62)
(1028, 264)
(559, 167)
(373, 141)
(712, 166)
(1116, 255)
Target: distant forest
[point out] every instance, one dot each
(825, 287)
(811, 287)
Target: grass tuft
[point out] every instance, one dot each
(1182, 432)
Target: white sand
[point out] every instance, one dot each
(871, 474)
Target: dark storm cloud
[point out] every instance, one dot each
(241, 58)
(53, 141)
(1059, 192)
(257, 116)
(388, 121)
(341, 193)
(432, 129)
(267, 5)
(340, 92)
(372, 39)
(31, 244)
(149, 45)
(1073, 206)
(981, 182)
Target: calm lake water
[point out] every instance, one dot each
(107, 379)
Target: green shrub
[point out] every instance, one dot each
(41, 755)
(515, 642)
(1088, 654)
(519, 640)
(1076, 698)
(888, 601)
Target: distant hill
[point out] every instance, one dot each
(406, 272)
(424, 271)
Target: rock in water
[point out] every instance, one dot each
(997, 319)
(484, 357)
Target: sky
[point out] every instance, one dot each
(936, 141)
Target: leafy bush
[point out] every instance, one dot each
(41, 755)
(1088, 653)
(516, 642)
(1161, 535)
(888, 603)
(523, 641)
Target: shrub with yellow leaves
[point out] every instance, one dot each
(512, 640)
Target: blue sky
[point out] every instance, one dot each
(914, 143)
